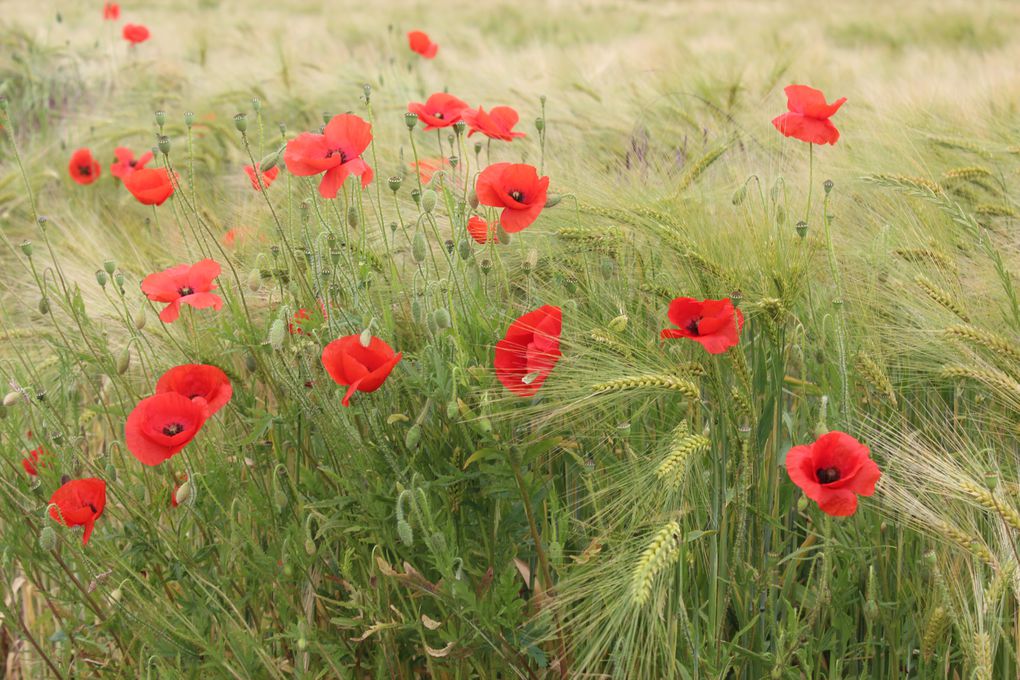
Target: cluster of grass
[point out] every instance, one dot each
(632, 520)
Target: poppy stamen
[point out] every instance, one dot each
(85, 170)
(827, 475)
(692, 326)
(185, 290)
(517, 195)
(173, 429)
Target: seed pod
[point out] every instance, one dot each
(540, 124)
(160, 117)
(101, 278)
(124, 361)
(139, 318)
(394, 183)
(26, 248)
(413, 436)
(109, 266)
(410, 120)
(473, 199)
(163, 144)
(428, 200)
(442, 318)
(552, 200)
(419, 247)
(241, 122)
(277, 334)
(189, 118)
(827, 185)
(48, 538)
(459, 127)
(405, 532)
(254, 280)
(801, 228)
(44, 306)
(464, 249)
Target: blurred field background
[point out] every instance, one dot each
(289, 562)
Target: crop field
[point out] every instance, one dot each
(541, 340)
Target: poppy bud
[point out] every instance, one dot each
(109, 266)
(189, 119)
(118, 278)
(309, 546)
(608, 268)
(430, 323)
(334, 256)
(464, 249)
(428, 200)
(124, 361)
(256, 103)
(101, 277)
(419, 247)
(254, 280)
(416, 195)
(367, 90)
(26, 247)
(111, 472)
(394, 183)
(802, 503)
(452, 409)
(472, 199)
(302, 643)
(618, 324)
(163, 144)
(270, 161)
(416, 310)
(352, 216)
(48, 538)
(553, 200)
(249, 363)
(11, 398)
(279, 498)
(277, 334)
(827, 185)
(501, 235)
(486, 265)
(283, 129)
(241, 122)
(405, 532)
(413, 436)
(365, 339)
(160, 118)
(802, 229)
(410, 120)
(139, 318)
(442, 318)
(44, 306)
(183, 493)
(540, 124)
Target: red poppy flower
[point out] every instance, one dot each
(303, 318)
(267, 177)
(421, 43)
(31, 463)
(439, 111)
(808, 118)
(517, 189)
(161, 425)
(111, 11)
(427, 167)
(496, 124)
(126, 163)
(527, 353)
(198, 381)
(183, 284)
(79, 502)
(833, 471)
(480, 230)
(360, 368)
(715, 324)
(336, 152)
(83, 167)
(135, 33)
(151, 186)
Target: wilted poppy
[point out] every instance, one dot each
(151, 186)
(715, 324)
(336, 152)
(126, 163)
(498, 123)
(198, 381)
(79, 502)
(439, 111)
(480, 230)
(267, 177)
(515, 187)
(183, 284)
(421, 43)
(111, 11)
(808, 118)
(833, 471)
(83, 167)
(31, 463)
(527, 353)
(360, 368)
(135, 33)
(161, 425)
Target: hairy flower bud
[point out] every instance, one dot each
(419, 247)
(428, 200)
(277, 334)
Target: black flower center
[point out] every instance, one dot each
(84, 169)
(173, 429)
(517, 195)
(92, 507)
(334, 152)
(827, 475)
(439, 115)
(692, 325)
(132, 163)
(185, 290)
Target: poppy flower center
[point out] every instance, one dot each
(334, 152)
(517, 195)
(692, 325)
(92, 508)
(132, 163)
(173, 429)
(439, 115)
(827, 475)
(185, 290)
(84, 169)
